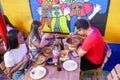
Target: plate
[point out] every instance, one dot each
(70, 65)
(37, 72)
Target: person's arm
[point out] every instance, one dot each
(42, 42)
(2, 50)
(81, 52)
(11, 70)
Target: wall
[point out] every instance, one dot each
(20, 14)
(112, 33)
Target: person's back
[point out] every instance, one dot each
(16, 56)
(94, 45)
(92, 49)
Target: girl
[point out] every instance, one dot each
(16, 56)
(36, 39)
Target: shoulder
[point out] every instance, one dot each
(7, 55)
(96, 30)
(23, 46)
(9, 27)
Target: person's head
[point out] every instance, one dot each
(82, 26)
(12, 41)
(19, 35)
(36, 28)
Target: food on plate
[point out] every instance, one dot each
(40, 59)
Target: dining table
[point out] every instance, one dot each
(53, 74)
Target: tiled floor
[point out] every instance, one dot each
(87, 74)
(103, 75)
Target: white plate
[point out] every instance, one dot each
(70, 65)
(37, 72)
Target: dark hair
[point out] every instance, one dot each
(34, 31)
(7, 21)
(12, 41)
(34, 28)
(13, 31)
(81, 23)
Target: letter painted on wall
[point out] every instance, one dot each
(60, 15)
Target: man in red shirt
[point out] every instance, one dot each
(92, 49)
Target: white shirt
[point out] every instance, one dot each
(9, 27)
(13, 57)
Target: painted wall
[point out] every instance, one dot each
(112, 33)
(21, 13)
(18, 12)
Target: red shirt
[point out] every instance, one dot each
(94, 46)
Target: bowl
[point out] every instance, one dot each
(47, 51)
(40, 59)
(73, 42)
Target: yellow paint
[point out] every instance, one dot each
(18, 13)
(112, 33)
(86, 0)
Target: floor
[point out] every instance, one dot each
(3, 76)
(103, 75)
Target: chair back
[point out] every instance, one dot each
(115, 73)
(107, 54)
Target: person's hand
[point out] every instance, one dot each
(57, 35)
(46, 35)
(39, 10)
(66, 11)
(73, 33)
(26, 58)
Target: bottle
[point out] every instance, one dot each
(55, 51)
(58, 65)
(62, 45)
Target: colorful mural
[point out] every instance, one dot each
(60, 15)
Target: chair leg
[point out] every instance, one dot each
(81, 75)
(95, 74)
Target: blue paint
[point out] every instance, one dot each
(72, 22)
(33, 6)
(1, 8)
(114, 58)
(103, 3)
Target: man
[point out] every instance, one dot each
(92, 49)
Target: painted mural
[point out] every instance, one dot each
(60, 15)
(103, 14)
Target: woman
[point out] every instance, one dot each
(36, 39)
(16, 56)
(19, 34)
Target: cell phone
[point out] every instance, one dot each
(74, 54)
